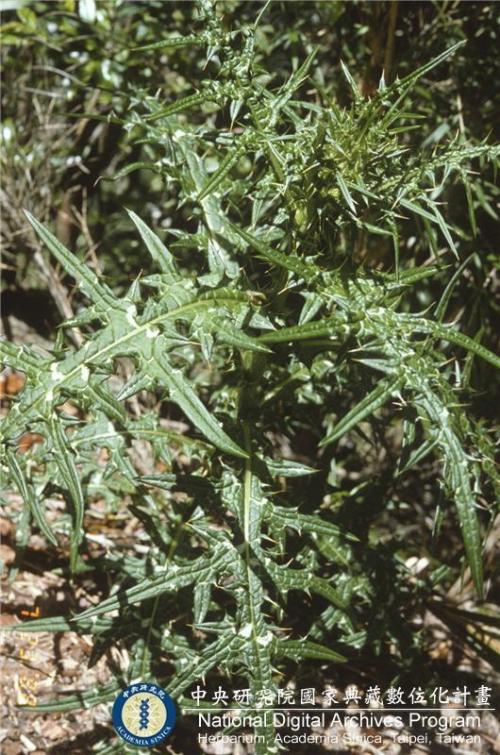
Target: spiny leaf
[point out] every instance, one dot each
(227, 333)
(105, 400)
(419, 72)
(86, 699)
(307, 523)
(59, 624)
(201, 601)
(228, 162)
(22, 358)
(67, 467)
(415, 208)
(181, 393)
(156, 248)
(213, 654)
(254, 627)
(350, 79)
(294, 82)
(445, 229)
(302, 579)
(287, 261)
(330, 328)
(456, 471)
(414, 458)
(170, 580)
(174, 42)
(179, 107)
(346, 194)
(288, 468)
(97, 292)
(447, 333)
(300, 649)
(132, 167)
(372, 401)
(30, 497)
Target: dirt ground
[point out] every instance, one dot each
(39, 667)
(36, 667)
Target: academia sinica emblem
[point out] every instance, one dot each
(143, 715)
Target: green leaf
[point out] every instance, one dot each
(21, 357)
(298, 650)
(416, 457)
(445, 298)
(175, 42)
(186, 103)
(302, 579)
(350, 79)
(228, 162)
(415, 208)
(307, 523)
(60, 624)
(445, 229)
(97, 292)
(457, 475)
(104, 399)
(346, 194)
(29, 497)
(412, 77)
(181, 393)
(287, 261)
(156, 248)
(288, 468)
(331, 328)
(67, 467)
(77, 701)
(213, 654)
(132, 167)
(170, 580)
(371, 402)
(227, 333)
(447, 333)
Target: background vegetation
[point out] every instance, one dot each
(294, 163)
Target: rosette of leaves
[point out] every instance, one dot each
(258, 321)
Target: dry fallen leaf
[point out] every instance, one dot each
(27, 440)
(11, 383)
(7, 554)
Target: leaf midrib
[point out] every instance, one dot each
(130, 335)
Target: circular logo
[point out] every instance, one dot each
(143, 715)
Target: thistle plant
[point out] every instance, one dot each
(281, 321)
